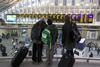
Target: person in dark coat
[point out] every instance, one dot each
(67, 35)
(54, 35)
(98, 51)
(36, 34)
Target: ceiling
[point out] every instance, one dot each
(5, 4)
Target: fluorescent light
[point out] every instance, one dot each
(68, 4)
(77, 4)
(52, 4)
(87, 4)
(95, 4)
(60, 4)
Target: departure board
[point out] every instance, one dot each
(10, 18)
(59, 18)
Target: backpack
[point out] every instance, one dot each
(46, 37)
(76, 33)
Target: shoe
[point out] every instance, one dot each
(48, 63)
(40, 61)
(34, 59)
(33, 62)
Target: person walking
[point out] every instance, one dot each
(70, 35)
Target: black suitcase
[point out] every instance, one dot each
(67, 60)
(30, 53)
(3, 49)
(4, 54)
(19, 56)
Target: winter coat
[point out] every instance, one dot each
(54, 33)
(36, 31)
(67, 36)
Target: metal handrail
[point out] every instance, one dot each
(5, 27)
(82, 58)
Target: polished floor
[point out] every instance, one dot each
(28, 63)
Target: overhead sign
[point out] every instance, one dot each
(78, 18)
(11, 18)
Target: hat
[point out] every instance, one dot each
(49, 21)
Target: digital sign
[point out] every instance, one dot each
(82, 18)
(11, 18)
(59, 18)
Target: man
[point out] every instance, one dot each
(68, 35)
(54, 35)
(37, 47)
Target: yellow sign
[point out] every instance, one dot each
(58, 17)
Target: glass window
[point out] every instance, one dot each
(56, 2)
(91, 1)
(82, 0)
(39, 0)
(64, 2)
(73, 2)
(99, 2)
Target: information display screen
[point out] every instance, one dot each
(78, 18)
(10, 18)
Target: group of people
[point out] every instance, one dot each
(68, 38)
(6, 36)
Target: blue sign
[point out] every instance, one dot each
(90, 15)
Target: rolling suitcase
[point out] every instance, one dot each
(67, 60)
(30, 53)
(3, 50)
(19, 56)
(4, 54)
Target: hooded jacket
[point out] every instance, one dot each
(37, 29)
(54, 33)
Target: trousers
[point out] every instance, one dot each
(37, 52)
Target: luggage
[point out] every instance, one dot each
(30, 53)
(19, 56)
(3, 49)
(4, 54)
(67, 60)
(0, 40)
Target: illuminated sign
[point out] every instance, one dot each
(90, 18)
(11, 18)
(78, 18)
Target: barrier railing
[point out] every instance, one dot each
(77, 58)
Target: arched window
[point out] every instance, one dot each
(99, 2)
(64, 2)
(98, 16)
(73, 2)
(56, 2)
